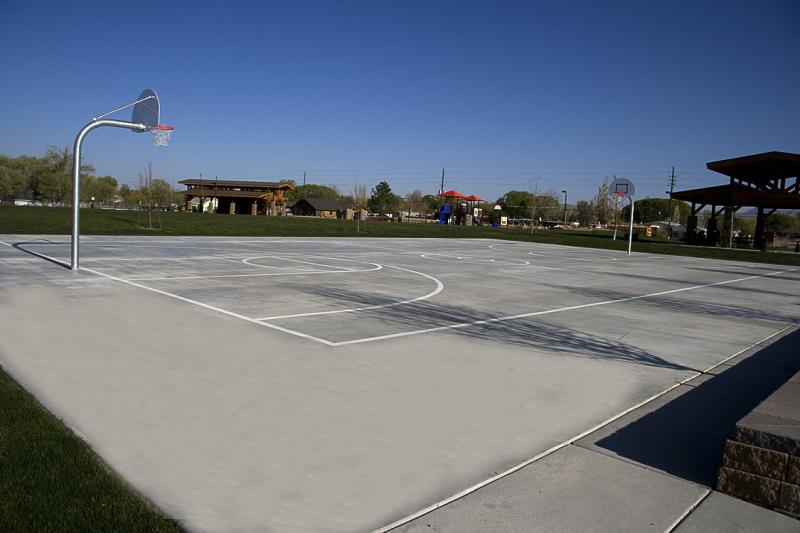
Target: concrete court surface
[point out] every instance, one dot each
(286, 384)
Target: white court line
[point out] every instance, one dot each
(474, 260)
(210, 307)
(437, 290)
(247, 260)
(571, 258)
(195, 302)
(547, 312)
(416, 332)
(215, 276)
(569, 441)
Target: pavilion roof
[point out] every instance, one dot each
(759, 167)
(739, 195)
(251, 185)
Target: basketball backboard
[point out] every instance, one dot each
(147, 110)
(621, 187)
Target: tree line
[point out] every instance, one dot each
(48, 180)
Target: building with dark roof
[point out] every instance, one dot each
(322, 207)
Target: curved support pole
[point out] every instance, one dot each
(76, 177)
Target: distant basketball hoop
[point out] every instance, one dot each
(161, 134)
(621, 188)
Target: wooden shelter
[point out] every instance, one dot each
(767, 181)
(242, 197)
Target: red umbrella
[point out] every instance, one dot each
(474, 198)
(451, 194)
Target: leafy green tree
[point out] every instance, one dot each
(6, 185)
(657, 209)
(431, 202)
(780, 223)
(584, 212)
(161, 193)
(744, 225)
(103, 189)
(55, 181)
(382, 200)
(312, 190)
(517, 204)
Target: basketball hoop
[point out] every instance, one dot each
(161, 135)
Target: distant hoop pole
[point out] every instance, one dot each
(76, 178)
(630, 230)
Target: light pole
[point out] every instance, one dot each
(565, 207)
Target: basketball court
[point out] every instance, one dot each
(289, 384)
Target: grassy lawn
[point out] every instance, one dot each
(50, 480)
(56, 221)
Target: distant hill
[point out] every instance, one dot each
(752, 211)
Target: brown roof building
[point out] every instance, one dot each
(237, 197)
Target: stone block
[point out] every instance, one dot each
(754, 460)
(758, 489)
(782, 403)
(771, 432)
(793, 470)
(789, 498)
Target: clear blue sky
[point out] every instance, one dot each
(498, 93)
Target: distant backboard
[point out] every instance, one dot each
(147, 110)
(621, 187)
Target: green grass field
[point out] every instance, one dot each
(51, 480)
(56, 221)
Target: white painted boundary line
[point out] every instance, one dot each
(571, 440)
(193, 302)
(214, 276)
(437, 290)
(549, 311)
(210, 307)
(340, 270)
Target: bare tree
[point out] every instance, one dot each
(601, 202)
(145, 190)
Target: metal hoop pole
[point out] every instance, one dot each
(630, 231)
(76, 178)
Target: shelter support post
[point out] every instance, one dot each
(726, 238)
(189, 204)
(758, 239)
(712, 233)
(232, 208)
(691, 229)
(254, 208)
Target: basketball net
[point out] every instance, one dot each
(161, 135)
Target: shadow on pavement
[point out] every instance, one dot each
(686, 436)
(518, 332)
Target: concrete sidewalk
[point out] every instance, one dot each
(651, 470)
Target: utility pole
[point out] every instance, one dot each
(669, 216)
(534, 192)
(565, 207)
(304, 184)
(441, 190)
